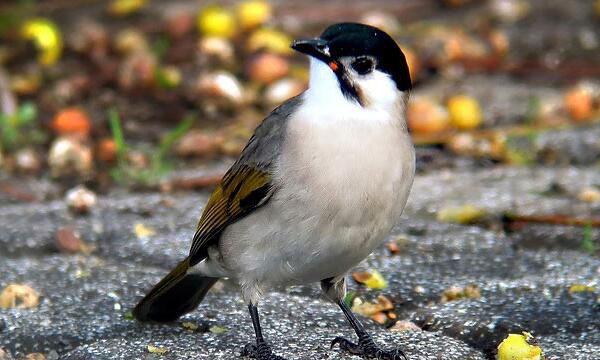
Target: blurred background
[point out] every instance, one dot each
(123, 92)
(117, 118)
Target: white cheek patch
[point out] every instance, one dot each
(379, 90)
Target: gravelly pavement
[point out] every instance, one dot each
(523, 285)
(524, 276)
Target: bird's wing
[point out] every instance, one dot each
(247, 185)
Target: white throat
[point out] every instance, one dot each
(378, 89)
(323, 87)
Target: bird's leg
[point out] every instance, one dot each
(366, 347)
(260, 351)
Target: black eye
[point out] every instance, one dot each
(362, 65)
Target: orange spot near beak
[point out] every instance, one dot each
(334, 66)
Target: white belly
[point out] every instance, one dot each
(342, 188)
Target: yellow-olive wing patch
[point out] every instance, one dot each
(248, 184)
(242, 190)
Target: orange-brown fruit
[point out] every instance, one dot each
(427, 117)
(71, 121)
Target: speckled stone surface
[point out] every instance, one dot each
(524, 286)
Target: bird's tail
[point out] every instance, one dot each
(176, 294)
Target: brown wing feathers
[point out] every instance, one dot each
(247, 185)
(240, 191)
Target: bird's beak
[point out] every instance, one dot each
(316, 48)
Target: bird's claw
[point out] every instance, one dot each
(260, 351)
(367, 348)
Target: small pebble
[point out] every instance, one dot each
(216, 47)
(221, 85)
(69, 156)
(404, 325)
(283, 89)
(80, 199)
(27, 161)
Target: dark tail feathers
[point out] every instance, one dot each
(176, 294)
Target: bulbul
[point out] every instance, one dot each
(318, 186)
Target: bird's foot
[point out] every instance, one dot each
(367, 348)
(260, 351)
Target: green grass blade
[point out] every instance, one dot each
(587, 243)
(174, 135)
(117, 132)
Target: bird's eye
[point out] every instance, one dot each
(362, 65)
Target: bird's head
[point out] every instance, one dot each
(358, 62)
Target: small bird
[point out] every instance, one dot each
(317, 188)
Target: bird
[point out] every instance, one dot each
(317, 188)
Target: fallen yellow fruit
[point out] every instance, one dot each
(19, 296)
(460, 293)
(254, 13)
(158, 350)
(581, 288)
(426, 116)
(270, 40)
(34, 356)
(465, 112)
(216, 21)
(217, 329)
(367, 309)
(46, 37)
(125, 7)
(143, 231)
(372, 279)
(590, 195)
(168, 77)
(517, 347)
(192, 326)
(466, 214)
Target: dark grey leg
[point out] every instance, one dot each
(260, 351)
(365, 347)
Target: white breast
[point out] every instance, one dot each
(352, 173)
(342, 182)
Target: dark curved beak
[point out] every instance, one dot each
(316, 48)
